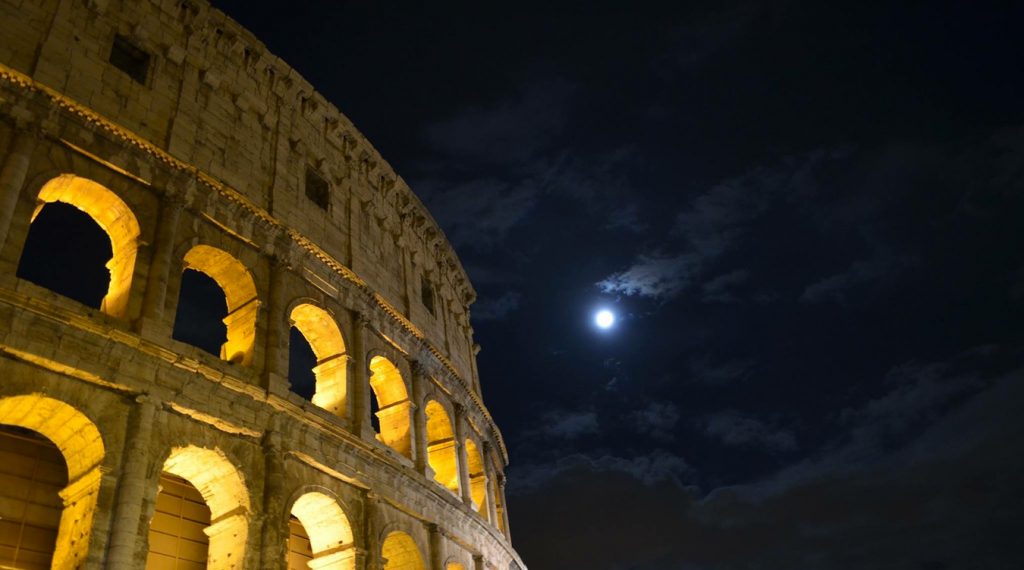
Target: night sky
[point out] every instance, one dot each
(809, 220)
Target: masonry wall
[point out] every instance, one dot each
(215, 98)
(212, 151)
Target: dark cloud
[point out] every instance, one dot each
(479, 214)
(496, 309)
(565, 425)
(721, 289)
(658, 420)
(948, 498)
(703, 370)
(626, 217)
(709, 227)
(513, 130)
(872, 273)
(734, 428)
(653, 468)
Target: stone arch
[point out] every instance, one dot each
(400, 552)
(81, 444)
(224, 491)
(442, 454)
(393, 404)
(240, 293)
(324, 336)
(329, 530)
(114, 217)
(477, 477)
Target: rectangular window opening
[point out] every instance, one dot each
(317, 189)
(130, 59)
(427, 294)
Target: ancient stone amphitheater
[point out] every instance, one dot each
(195, 151)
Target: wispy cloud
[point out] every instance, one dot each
(652, 468)
(706, 371)
(733, 428)
(721, 288)
(496, 308)
(657, 276)
(658, 420)
(512, 130)
(564, 425)
(479, 214)
(862, 273)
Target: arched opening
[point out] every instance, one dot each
(477, 477)
(320, 535)
(239, 291)
(393, 405)
(401, 553)
(301, 362)
(67, 518)
(194, 478)
(66, 252)
(454, 566)
(441, 448)
(330, 372)
(62, 253)
(199, 320)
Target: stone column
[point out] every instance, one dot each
(12, 177)
(436, 547)
(278, 329)
(478, 562)
(274, 538)
(360, 400)
(472, 363)
(491, 473)
(460, 450)
(131, 487)
(373, 557)
(155, 298)
(419, 420)
(504, 508)
(474, 349)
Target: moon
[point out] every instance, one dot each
(604, 319)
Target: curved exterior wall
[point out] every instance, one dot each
(204, 164)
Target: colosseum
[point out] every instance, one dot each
(200, 158)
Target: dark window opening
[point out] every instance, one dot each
(427, 294)
(317, 189)
(130, 59)
(374, 408)
(199, 320)
(66, 252)
(301, 361)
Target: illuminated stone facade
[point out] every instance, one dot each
(193, 148)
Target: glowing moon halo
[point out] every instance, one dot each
(604, 319)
